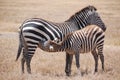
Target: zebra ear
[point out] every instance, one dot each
(92, 8)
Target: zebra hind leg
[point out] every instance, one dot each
(23, 61)
(100, 53)
(28, 60)
(22, 64)
(29, 55)
(95, 55)
(102, 61)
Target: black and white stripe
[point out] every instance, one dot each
(35, 30)
(88, 39)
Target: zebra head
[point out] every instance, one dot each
(87, 16)
(96, 20)
(81, 17)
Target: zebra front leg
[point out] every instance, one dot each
(95, 55)
(77, 63)
(68, 64)
(77, 60)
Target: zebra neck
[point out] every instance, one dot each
(73, 21)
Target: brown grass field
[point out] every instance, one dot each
(50, 66)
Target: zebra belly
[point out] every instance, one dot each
(86, 48)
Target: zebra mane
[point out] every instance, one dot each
(84, 9)
(87, 8)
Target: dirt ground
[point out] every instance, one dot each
(50, 66)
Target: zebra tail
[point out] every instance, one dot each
(20, 45)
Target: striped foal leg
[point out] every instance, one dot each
(95, 55)
(100, 53)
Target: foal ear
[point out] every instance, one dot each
(94, 8)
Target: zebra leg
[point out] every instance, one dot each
(77, 63)
(100, 53)
(22, 64)
(77, 60)
(27, 56)
(68, 64)
(28, 60)
(95, 55)
(23, 61)
(102, 61)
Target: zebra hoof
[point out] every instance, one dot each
(68, 74)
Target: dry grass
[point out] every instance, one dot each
(51, 66)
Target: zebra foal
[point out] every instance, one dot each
(88, 39)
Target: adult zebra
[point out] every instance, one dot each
(88, 39)
(34, 30)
